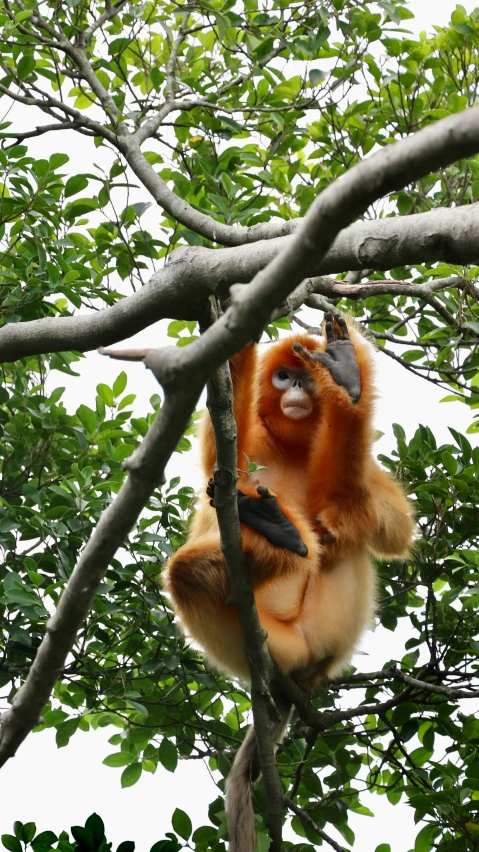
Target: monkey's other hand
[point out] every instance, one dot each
(338, 358)
(267, 518)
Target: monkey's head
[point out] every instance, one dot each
(287, 401)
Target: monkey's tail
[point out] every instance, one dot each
(244, 772)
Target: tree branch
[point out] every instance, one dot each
(40, 130)
(309, 821)
(265, 715)
(193, 273)
(48, 103)
(329, 287)
(107, 15)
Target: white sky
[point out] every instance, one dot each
(58, 788)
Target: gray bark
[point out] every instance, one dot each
(177, 290)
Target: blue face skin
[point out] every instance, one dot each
(297, 387)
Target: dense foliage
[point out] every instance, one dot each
(88, 838)
(279, 100)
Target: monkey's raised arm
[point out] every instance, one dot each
(341, 461)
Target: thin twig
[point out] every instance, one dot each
(312, 824)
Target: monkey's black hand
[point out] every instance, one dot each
(338, 358)
(266, 517)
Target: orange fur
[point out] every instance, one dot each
(325, 479)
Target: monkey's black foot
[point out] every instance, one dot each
(266, 517)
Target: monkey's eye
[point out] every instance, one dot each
(281, 379)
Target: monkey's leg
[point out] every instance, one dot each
(197, 581)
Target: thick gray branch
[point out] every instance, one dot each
(194, 273)
(176, 207)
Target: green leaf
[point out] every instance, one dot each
(84, 101)
(126, 846)
(119, 758)
(131, 775)
(106, 393)
(75, 184)
(181, 823)
(263, 842)
(464, 28)
(44, 841)
(95, 826)
(11, 843)
(25, 66)
(83, 836)
(28, 832)
(204, 834)
(126, 401)
(65, 731)
(165, 846)
(23, 15)
(232, 124)
(17, 829)
(140, 207)
(168, 755)
(58, 160)
(449, 463)
(425, 838)
(119, 384)
(316, 76)
(87, 418)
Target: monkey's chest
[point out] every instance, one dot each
(290, 487)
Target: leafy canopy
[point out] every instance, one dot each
(279, 100)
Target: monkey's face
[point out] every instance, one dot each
(296, 388)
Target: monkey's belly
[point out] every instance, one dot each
(283, 598)
(328, 610)
(338, 607)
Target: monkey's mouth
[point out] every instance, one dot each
(297, 410)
